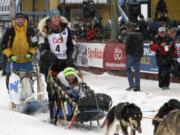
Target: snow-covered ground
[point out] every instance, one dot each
(150, 98)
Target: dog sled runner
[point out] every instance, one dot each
(92, 107)
(25, 93)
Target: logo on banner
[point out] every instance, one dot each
(95, 53)
(117, 54)
(148, 52)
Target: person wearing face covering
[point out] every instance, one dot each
(56, 48)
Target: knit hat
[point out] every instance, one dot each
(20, 15)
(69, 71)
(54, 12)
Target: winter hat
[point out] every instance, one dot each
(19, 15)
(69, 71)
(54, 12)
(161, 29)
(140, 17)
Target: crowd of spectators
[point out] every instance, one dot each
(94, 30)
(149, 28)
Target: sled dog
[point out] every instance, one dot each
(127, 115)
(170, 125)
(167, 107)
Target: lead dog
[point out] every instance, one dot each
(127, 115)
(170, 125)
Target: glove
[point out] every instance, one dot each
(13, 58)
(43, 53)
(70, 61)
(29, 55)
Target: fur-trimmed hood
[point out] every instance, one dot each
(42, 25)
(63, 80)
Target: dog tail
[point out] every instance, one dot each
(104, 123)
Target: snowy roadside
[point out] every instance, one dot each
(150, 98)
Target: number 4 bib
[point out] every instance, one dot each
(57, 42)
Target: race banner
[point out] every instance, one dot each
(114, 56)
(178, 51)
(95, 52)
(148, 61)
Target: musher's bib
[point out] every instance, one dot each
(57, 42)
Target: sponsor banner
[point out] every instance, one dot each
(178, 50)
(148, 61)
(95, 53)
(81, 58)
(114, 56)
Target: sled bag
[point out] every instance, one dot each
(68, 110)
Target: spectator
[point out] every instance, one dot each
(3, 59)
(123, 34)
(172, 33)
(142, 25)
(152, 28)
(134, 52)
(165, 50)
(177, 36)
(161, 10)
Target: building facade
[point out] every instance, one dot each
(172, 6)
(74, 8)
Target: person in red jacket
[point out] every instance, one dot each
(165, 49)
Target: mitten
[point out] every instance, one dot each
(13, 58)
(29, 55)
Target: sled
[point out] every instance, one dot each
(22, 95)
(90, 115)
(91, 112)
(85, 113)
(35, 107)
(92, 107)
(96, 112)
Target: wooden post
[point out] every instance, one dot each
(39, 84)
(12, 8)
(114, 20)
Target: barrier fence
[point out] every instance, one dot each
(111, 56)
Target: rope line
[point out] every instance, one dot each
(154, 118)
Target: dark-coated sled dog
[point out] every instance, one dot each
(170, 125)
(127, 115)
(167, 107)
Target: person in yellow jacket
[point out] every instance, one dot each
(19, 43)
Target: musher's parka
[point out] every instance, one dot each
(48, 56)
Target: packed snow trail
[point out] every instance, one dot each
(149, 98)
